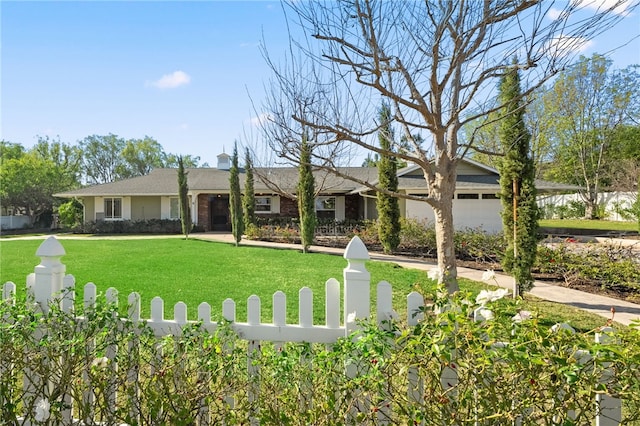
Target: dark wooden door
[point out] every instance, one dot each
(219, 212)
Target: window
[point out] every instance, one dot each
(174, 209)
(326, 203)
(326, 207)
(263, 204)
(113, 208)
(468, 196)
(490, 196)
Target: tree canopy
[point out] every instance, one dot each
(435, 63)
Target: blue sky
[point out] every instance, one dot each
(180, 72)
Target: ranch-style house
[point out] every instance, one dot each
(155, 196)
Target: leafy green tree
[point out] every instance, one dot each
(636, 205)
(585, 106)
(517, 185)
(189, 161)
(9, 150)
(66, 158)
(235, 197)
(28, 179)
(387, 204)
(249, 199)
(371, 160)
(141, 156)
(102, 158)
(183, 189)
(70, 213)
(306, 197)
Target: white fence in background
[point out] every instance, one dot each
(13, 222)
(49, 281)
(613, 202)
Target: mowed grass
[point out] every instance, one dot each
(603, 225)
(195, 271)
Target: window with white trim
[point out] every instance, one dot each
(263, 204)
(174, 208)
(326, 207)
(113, 208)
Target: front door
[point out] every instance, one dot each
(219, 216)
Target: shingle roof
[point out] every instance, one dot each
(165, 182)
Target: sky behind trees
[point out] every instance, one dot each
(183, 73)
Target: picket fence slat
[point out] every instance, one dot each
(341, 318)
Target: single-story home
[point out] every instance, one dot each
(155, 196)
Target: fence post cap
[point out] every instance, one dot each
(356, 250)
(50, 247)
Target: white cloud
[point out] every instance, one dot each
(618, 7)
(554, 13)
(567, 45)
(259, 120)
(171, 81)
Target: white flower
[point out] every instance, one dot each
(488, 275)
(435, 274)
(486, 296)
(522, 316)
(484, 314)
(100, 362)
(42, 410)
(351, 318)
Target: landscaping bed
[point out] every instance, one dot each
(574, 268)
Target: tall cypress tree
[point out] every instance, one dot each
(517, 181)
(387, 205)
(235, 197)
(249, 199)
(306, 197)
(183, 189)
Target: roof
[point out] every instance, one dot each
(474, 176)
(164, 182)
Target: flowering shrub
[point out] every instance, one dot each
(448, 369)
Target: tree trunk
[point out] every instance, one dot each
(443, 211)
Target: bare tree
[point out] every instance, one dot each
(436, 63)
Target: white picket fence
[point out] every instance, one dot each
(49, 281)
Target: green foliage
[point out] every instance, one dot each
(235, 197)
(613, 268)
(141, 156)
(590, 111)
(306, 197)
(29, 179)
(148, 226)
(70, 213)
(391, 373)
(387, 205)
(108, 158)
(517, 185)
(249, 199)
(164, 380)
(183, 192)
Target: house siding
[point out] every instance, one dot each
(89, 204)
(145, 208)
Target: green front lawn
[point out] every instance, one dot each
(603, 225)
(195, 271)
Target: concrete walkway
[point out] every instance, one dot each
(625, 312)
